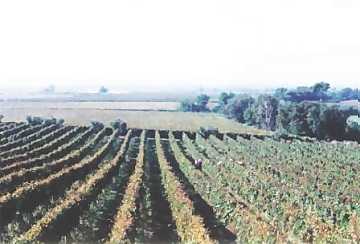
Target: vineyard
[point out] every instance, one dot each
(98, 184)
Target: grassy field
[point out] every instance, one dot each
(83, 113)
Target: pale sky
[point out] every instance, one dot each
(164, 43)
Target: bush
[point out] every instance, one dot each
(60, 121)
(49, 121)
(96, 124)
(207, 131)
(119, 124)
(353, 127)
(280, 134)
(29, 119)
(353, 123)
(34, 120)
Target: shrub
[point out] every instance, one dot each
(207, 131)
(119, 124)
(96, 124)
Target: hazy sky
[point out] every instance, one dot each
(258, 43)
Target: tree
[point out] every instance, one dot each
(250, 115)
(317, 92)
(353, 123)
(300, 94)
(103, 90)
(321, 87)
(314, 119)
(298, 124)
(301, 118)
(266, 110)
(347, 94)
(225, 97)
(320, 90)
(236, 107)
(186, 105)
(223, 101)
(353, 127)
(199, 105)
(333, 121)
(202, 102)
(280, 93)
(283, 119)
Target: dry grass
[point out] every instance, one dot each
(92, 105)
(135, 119)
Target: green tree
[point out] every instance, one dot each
(236, 107)
(225, 97)
(297, 123)
(314, 119)
(333, 121)
(283, 119)
(320, 90)
(223, 101)
(353, 122)
(317, 92)
(186, 105)
(250, 115)
(199, 105)
(353, 127)
(280, 93)
(266, 110)
(201, 102)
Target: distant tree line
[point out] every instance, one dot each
(318, 92)
(305, 111)
(197, 105)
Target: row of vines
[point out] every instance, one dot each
(97, 184)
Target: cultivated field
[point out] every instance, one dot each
(80, 113)
(150, 106)
(61, 183)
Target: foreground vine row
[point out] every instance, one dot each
(125, 215)
(100, 184)
(77, 195)
(189, 226)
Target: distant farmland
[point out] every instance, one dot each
(128, 105)
(136, 114)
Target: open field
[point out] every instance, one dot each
(82, 115)
(170, 106)
(71, 184)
